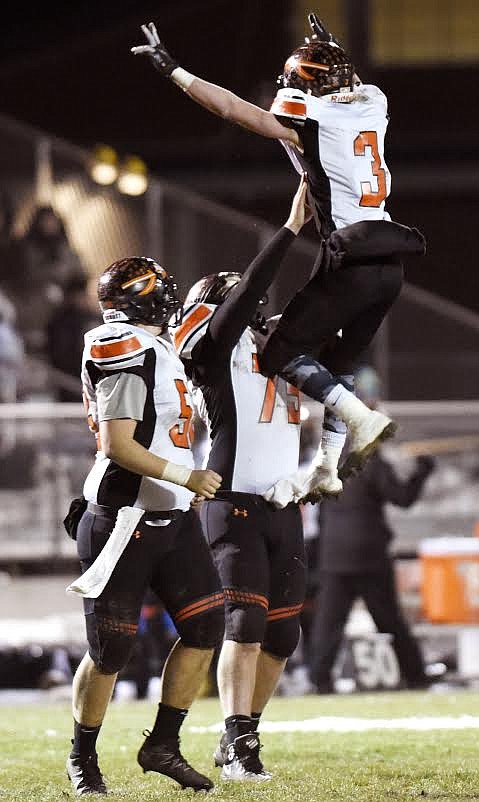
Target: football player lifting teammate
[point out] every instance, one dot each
(253, 422)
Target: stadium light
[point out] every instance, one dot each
(104, 165)
(133, 178)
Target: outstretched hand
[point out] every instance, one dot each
(300, 213)
(156, 50)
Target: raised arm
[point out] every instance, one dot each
(235, 313)
(395, 490)
(215, 98)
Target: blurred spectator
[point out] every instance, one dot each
(46, 264)
(155, 637)
(65, 329)
(8, 249)
(11, 352)
(354, 559)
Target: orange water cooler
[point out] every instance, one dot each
(450, 594)
(450, 579)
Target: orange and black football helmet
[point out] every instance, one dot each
(215, 288)
(212, 289)
(320, 66)
(140, 290)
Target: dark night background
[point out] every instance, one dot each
(67, 70)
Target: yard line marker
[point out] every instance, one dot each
(345, 724)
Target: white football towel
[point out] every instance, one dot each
(93, 581)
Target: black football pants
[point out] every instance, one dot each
(354, 299)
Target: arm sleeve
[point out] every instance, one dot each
(121, 395)
(233, 316)
(389, 487)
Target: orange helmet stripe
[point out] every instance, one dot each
(303, 73)
(315, 66)
(149, 287)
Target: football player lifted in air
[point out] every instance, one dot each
(333, 127)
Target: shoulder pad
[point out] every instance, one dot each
(290, 103)
(374, 93)
(192, 328)
(115, 346)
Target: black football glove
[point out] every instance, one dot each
(156, 50)
(320, 32)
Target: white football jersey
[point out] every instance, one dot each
(129, 373)
(342, 136)
(253, 422)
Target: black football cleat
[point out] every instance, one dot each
(242, 760)
(165, 758)
(85, 775)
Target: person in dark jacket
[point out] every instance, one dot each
(46, 265)
(65, 329)
(354, 562)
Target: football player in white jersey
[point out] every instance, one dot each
(140, 487)
(333, 128)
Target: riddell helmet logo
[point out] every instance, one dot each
(110, 315)
(344, 97)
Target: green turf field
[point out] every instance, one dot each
(379, 765)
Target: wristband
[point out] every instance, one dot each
(178, 474)
(182, 78)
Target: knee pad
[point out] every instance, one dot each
(282, 637)
(245, 623)
(112, 653)
(203, 631)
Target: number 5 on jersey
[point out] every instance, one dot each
(182, 433)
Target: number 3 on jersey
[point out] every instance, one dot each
(369, 196)
(181, 434)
